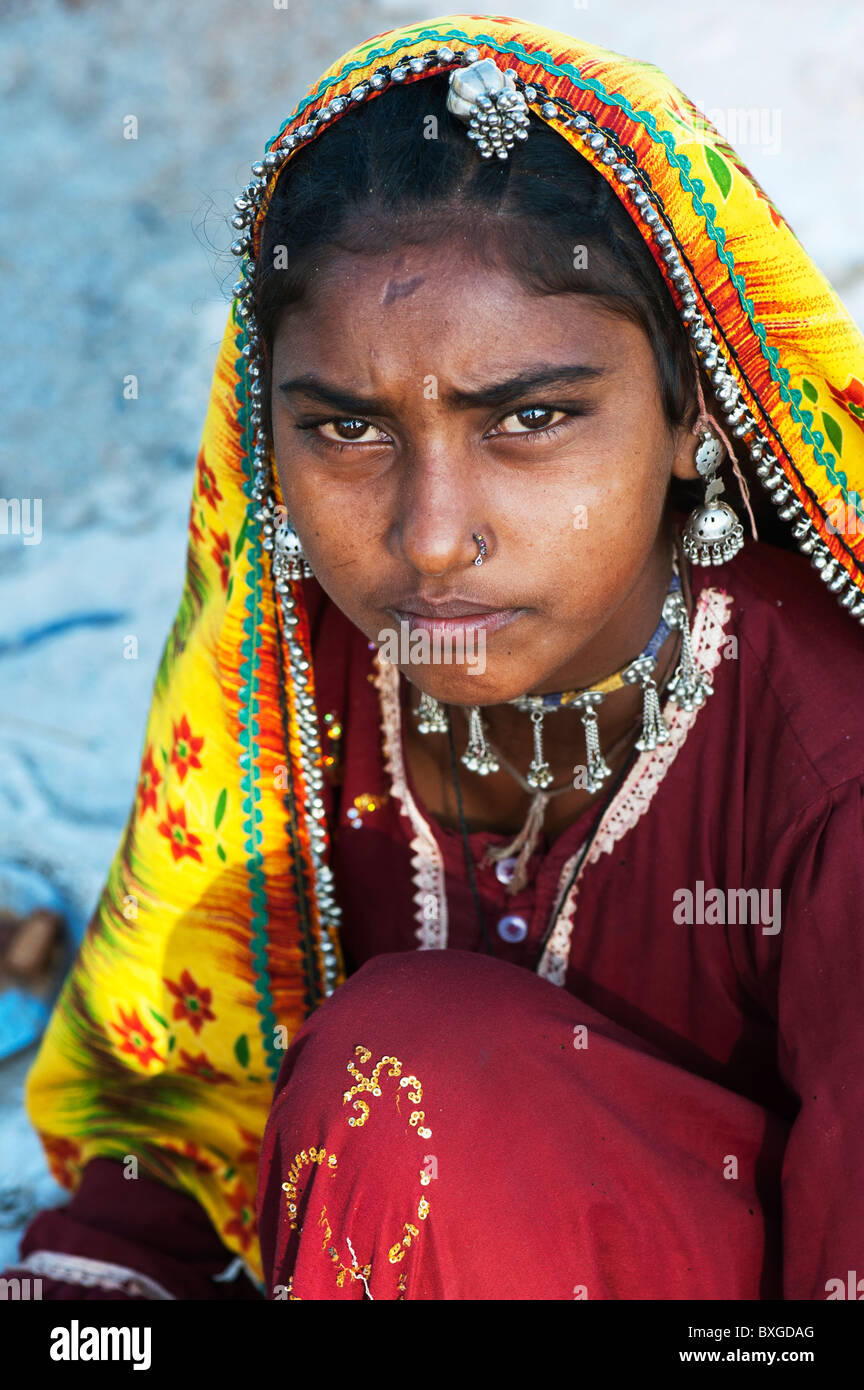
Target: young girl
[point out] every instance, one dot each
(502, 793)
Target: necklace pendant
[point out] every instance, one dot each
(596, 767)
(478, 756)
(689, 690)
(539, 776)
(481, 762)
(654, 728)
(689, 687)
(431, 718)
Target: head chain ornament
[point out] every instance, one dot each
(289, 563)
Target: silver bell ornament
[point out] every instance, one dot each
(289, 562)
(713, 533)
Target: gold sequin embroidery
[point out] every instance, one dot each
(314, 1155)
(368, 1085)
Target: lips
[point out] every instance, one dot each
(445, 608)
(451, 615)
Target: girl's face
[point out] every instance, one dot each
(419, 397)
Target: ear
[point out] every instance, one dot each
(684, 457)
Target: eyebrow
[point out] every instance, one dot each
(493, 394)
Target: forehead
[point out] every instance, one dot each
(444, 303)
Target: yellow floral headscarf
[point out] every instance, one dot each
(205, 953)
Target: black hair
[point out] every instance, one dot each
(400, 170)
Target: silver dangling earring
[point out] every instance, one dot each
(430, 715)
(713, 533)
(478, 756)
(289, 562)
(654, 728)
(539, 774)
(689, 686)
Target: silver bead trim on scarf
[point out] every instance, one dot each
(605, 145)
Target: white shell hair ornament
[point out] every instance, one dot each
(487, 100)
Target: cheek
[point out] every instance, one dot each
(338, 526)
(608, 501)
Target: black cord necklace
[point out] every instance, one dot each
(466, 844)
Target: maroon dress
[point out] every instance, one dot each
(672, 1107)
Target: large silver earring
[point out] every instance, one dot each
(713, 533)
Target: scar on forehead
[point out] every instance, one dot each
(400, 289)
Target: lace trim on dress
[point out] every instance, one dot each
(93, 1274)
(430, 895)
(639, 787)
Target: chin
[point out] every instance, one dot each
(460, 687)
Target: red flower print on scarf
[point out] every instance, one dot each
(186, 748)
(192, 1002)
(191, 1151)
(201, 1068)
(137, 1040)
(64, 1158)
(253, 1146)
(148, 782)
(194, 529)
(851, 400)
(208, 488)
(183, 842)
(221, 552)
(243, 1224)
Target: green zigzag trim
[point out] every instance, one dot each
(248, 692)
(695, 187)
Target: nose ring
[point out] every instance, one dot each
(481, 543)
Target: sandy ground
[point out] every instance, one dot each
(115, 261)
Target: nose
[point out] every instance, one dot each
(439, 510)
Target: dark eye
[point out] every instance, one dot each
(348, 429)
(533, 417)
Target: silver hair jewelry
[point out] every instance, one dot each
(489, 103)
(713, 533)
(482, 546)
